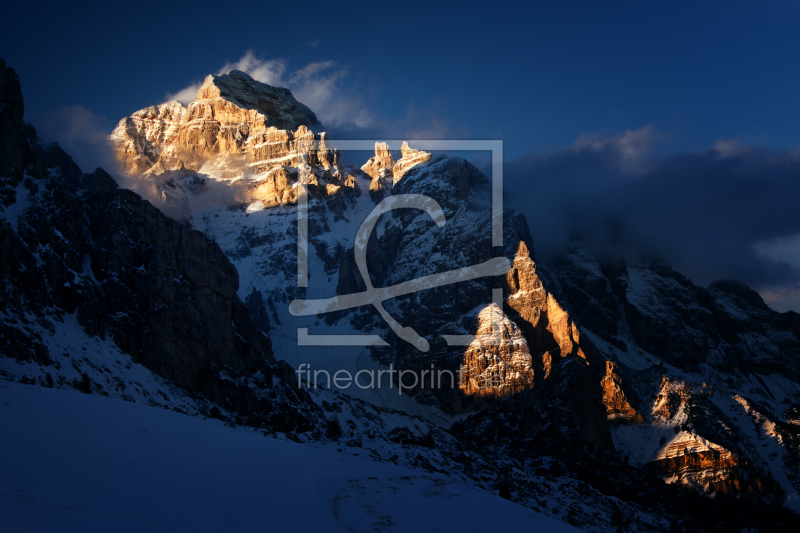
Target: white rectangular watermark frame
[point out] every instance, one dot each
(304, 338)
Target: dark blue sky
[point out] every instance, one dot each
(559, 82)
(534, 74)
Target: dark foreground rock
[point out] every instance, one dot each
(75, 243)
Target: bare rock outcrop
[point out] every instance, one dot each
(498, 362)
(702, 447)
(383, 159)
(690, 457)
(236, 129)
(534, 304)
(618, 407)
(76, 248)
(232, 115)
(14, 148)
(385, 171)
(410, 158)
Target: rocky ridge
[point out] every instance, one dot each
(394, 257)
(686, 365)
(79, 250)
(232, 115)
(238, 130)
(385, 172)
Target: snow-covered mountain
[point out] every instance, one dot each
(643, 340)
(257, 230)
(621, 396)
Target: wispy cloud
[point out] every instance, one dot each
(79, 131)
(269, 71)
(423, 122)
(427, 122)
(702, 210)
(783, 251)
(635, 150)
(342, 105)
(185, 95)
(782, 298)
(320, 85)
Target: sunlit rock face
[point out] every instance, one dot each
(699, 446)
(498, 362)
(385, 172)
(140, 139)
(690, 457)
(232, 115)
(618, 407)
(239, 130)
(410, 158)
(382, 160)
(538, 307)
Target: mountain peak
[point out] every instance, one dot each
(742, 290)
(278, 104)
(233, 115)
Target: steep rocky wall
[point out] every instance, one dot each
(75, 243)
(516, 345)
(233, 115)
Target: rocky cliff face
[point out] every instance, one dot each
(685, 366)
(498, 362)
(76, 247)
(385, 172)
(618, 406)
(384, 165)
(237, 130)
(233, 115)
(14, 149)
(528, 330)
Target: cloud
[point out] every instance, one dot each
(321, 85)
(419, 122)
(782, 298)
(426, 122)
(704, 210)
(182, 200)
(635, 151)
(731, 148)
(269, 71)
(340, 103)
(782, 249)
(81, 133)
(784, 252)
(185, 95)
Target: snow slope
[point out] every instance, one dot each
(91, 463)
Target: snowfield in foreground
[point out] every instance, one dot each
(75, 462)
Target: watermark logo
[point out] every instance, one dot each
(375, 296)
(431, 379)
